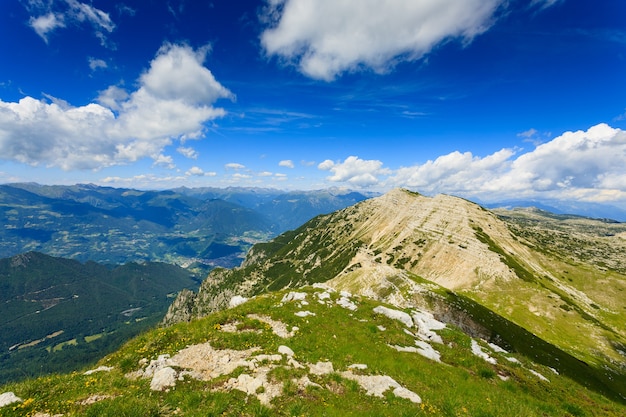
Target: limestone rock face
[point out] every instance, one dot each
(361, 246)
(182, 309)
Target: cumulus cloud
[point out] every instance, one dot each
(164, 161)
(42, 25)
(287, 163)
(240, 176)
(583, 165)
(122, 126)
(325, 38)
(187, 152)
(234, 165)
(53, 14)
(354, 171)
(455, 173)
(195, 171)
(96, 64)
(583, 160)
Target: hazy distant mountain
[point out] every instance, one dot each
(56, 313)
(210, 227)
(579, 208)
(286, 209)
(87, 222)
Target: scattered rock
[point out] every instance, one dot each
(323, 296)
(236, 301)
(402, 392)
(207, 363)
(284, 350)
(478, 351)
(162, 361)
(294, 296)
(321, 368)
(427, 351)
(304, 314)
(359, 366)
(279, 328)
(376, 385)
(538, 375)
(304, 382)
(346, 303)
(99, 369)
(426, 324)
(411, 349)
(9, 398)
(163, 378)
(395, 315)
(257, 385)
(496, 348)
(94, 399)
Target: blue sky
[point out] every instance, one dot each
(487, 99)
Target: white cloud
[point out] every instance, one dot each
(175, 74)
(113, 97)
(96, 64)
(234, 165)
(45, 24)
(143, 180)
(195, 171)
(355, 171)
(187, 152)
(241, 176)
(58, 14)
(583, 165)
(325, 38)
(122, 127)
(454, 173)
(164, 161)
(592, 159)
(287, 163)
(528, 134)
(544, 4)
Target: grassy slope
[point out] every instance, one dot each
(464, 385)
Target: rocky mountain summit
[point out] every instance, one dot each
(398, 247)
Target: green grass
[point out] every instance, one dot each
(464, 385)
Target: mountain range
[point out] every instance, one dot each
(400, 304)
(201, 227)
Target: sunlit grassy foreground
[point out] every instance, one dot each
(472, 379)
